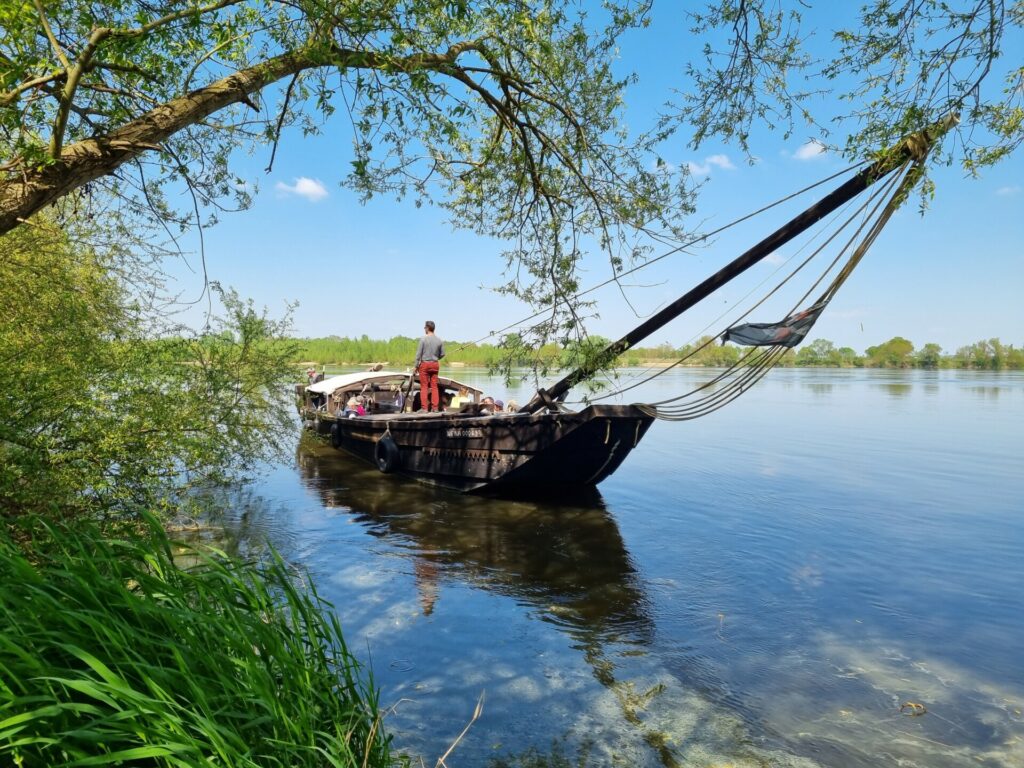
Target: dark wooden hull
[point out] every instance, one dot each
(513, 454)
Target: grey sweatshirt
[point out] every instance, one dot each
(430, 349)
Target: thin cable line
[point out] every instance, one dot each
(754, 370)
(668, 253)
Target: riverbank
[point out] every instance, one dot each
(898, 353)
(114, 651)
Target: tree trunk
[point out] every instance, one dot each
(84, 161)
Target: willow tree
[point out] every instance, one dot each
(110, 407)
(861, 76)
(504, 113)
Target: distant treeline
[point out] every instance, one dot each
(990, 355)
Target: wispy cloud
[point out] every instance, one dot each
(1008, 190)
(714, 161)
(311, 189)
(812, 150)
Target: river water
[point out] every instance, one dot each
(765, 586)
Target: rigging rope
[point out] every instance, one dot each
(666, 254)
(651, 373)
(757, 361)
(878, 196)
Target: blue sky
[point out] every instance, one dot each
(952, 276)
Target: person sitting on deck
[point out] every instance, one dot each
(353, 408)
(499, 406)
(487, 406)
(460, 398)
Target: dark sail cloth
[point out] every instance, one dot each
(787, 333)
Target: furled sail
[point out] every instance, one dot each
(906, 159)
(785, 333)
(887, 181)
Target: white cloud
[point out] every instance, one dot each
(810, 151)
(703, 169)
(1007, 191)
(311, 189)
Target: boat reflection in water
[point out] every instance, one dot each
(568, 560)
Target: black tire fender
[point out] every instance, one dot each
(336, 435)
(386, 454)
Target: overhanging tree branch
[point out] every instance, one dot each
(24, 193)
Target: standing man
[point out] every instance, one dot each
(429, 352)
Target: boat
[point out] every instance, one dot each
(470, 449)
(547, 449)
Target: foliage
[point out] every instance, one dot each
(818, 352)
(930, 356)
(113, 654)
(96, 415)
(990, 354)
(897, 68)
(895, 353)
(505, 114)
(400, 351)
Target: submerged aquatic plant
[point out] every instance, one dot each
(111, 653)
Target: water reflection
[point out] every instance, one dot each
(895, 388)
(566, 563)
(818, 387)
(987, 393)
(567, 560)
(704, 611)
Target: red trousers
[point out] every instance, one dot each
(428, 385)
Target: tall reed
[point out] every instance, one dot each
(110, 653)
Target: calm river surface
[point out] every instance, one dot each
(761, 587)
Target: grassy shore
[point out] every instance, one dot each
(113, 654)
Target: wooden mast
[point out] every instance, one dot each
(913, 147)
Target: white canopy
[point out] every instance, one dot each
(351, 380)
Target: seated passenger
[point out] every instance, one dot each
(511, 406)
(353, 408)
(487, 406)
(459, 399)
(498, 406)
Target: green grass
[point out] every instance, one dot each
(110, 654)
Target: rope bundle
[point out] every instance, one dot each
(757, 361)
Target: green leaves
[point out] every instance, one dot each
(895, 69)
(506, 116)
(101, 411)
(114, 652)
